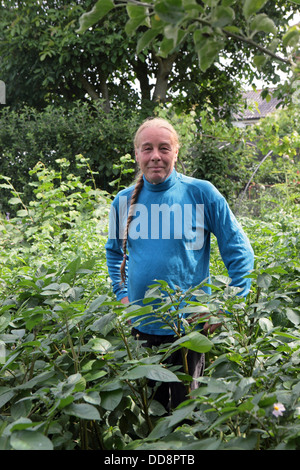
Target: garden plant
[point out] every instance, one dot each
(71, 375)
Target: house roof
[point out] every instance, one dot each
(257, 107)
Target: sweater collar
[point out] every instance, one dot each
(170, 181)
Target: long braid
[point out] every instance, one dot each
(134, 197)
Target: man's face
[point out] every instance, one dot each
(156, 153)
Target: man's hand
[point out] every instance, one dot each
(211, 328)
(207, 326)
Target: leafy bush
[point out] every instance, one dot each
(211, 149)
(29, 136)
(73, 377)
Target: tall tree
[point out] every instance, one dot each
(249, 33)
(43, 59)
(138, 59)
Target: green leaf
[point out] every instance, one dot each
(170, 11)
(22, 213)
(263, 23)
(23, 423)
(104, 324)
(194, 341)
(165, 425)
(265, 324)
(133, 24)
(73, 266)
(213, 386)
(171, 32)
(110, 400)
(222, 16)
(227, 3)
(5, 319)
(146, 39)
(88, 19)
(152, 372)
(211, 3)
(259, 60)
(30, 440)
(291, 38)
(166, 46)
(293, 316)
(264, 280)
(63, 402)
(207, 50)
(136, 11)
(83, 411)
(222, 418)
(138, 16)
(250, 7)
(135, 311)
(192, 5)
(233, 29)
(100, 345)
(76, 381)
(14, 200)
(93, 398)
(95, 304)
(5, 395)
(94, 375)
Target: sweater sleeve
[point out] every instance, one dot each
(114, 255)
(234, 245)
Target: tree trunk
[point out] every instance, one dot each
(94, 95)
(142, 74)
(164, 68)
(104, 91)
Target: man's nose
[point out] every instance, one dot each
(155, 154)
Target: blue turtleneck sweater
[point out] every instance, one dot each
(169, 239)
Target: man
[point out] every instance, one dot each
(164, 222)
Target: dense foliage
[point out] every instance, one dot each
(210, 149)
(251, 33)
(30, 136)
(63, 66)
(71, 375)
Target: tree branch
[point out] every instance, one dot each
(248, 41)
(257, 46)
(88, 88)
(226, 33)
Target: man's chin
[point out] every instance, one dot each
(156, 178)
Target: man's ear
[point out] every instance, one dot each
(177, 151)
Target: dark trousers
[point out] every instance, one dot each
(172, 394)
